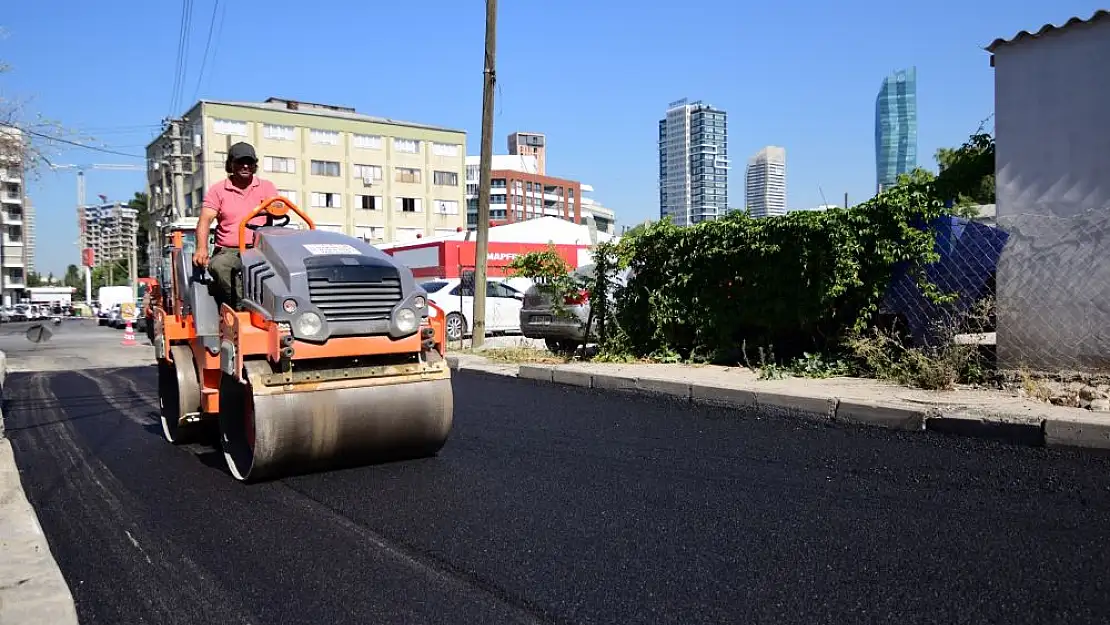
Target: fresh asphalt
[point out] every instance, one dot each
(561, 505)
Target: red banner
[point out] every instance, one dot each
(88, 257)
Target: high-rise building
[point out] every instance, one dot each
(373, 178)
(28, 234)
(693, 163)
(110, 230)
(530, 144)
(13, 268)
(896, 127)
(765, 182)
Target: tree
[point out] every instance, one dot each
(27, 139)
(33, 280)
(142, 220)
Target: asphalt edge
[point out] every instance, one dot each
(32, 588)
(1086, 433)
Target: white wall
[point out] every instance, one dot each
(1052, 126)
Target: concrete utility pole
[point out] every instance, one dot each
(178, 171)
(481, 251)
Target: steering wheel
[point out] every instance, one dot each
(281, 221)
(276, 211)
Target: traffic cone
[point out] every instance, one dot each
(128, 336)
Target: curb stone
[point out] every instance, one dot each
(32, 588)
(1070, 431)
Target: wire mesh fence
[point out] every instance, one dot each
(1032, 289)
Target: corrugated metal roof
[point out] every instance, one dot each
(1048, 28)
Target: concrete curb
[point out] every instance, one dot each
(1081, 431)
(32, 588)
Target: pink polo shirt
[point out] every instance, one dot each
(232, 204)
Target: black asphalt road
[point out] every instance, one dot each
(561, 505)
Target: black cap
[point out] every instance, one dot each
(240, 151)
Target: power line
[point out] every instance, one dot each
(182, 61)
(207, 44)
(73, 143)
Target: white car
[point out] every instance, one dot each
(503, 304)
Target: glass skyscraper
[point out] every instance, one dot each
(896, 127)
(693, 163)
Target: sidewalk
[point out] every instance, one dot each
(978, 413)
(32, 588)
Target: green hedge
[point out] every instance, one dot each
(803, 281)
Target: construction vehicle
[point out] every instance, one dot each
(338, 358)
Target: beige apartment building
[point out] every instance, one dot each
(377, 179)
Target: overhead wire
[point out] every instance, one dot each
(207, 45)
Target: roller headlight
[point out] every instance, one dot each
(309, 324)
(406, 320)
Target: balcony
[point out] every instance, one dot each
(13, 260)
(12, 218)
(14, 282)
(10, 175)
(11, 198)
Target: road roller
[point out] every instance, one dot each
(335, 357)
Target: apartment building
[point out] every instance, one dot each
(373, 178)
(12, 192)
(28, 234)
(519, 192)
(530, 144)
(110, 230)
(693, 163)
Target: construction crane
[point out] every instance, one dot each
(81, 216)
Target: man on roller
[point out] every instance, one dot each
(229, 201)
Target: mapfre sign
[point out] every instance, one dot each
(448, 259)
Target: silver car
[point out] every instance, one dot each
(564, 329)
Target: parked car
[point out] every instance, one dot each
(564, 329)
(503, 304)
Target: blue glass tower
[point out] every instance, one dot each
(896, 127)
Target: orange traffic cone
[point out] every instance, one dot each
(128, 336)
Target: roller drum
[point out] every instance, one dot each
(331, 424)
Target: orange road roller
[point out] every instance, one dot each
(336, 357)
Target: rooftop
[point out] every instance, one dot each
(1048, 29)
(325, 110)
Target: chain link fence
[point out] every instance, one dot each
(1032, 290)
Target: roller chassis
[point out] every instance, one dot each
(325, 401)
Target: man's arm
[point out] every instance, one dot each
(208, 212)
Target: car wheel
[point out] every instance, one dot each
(456, 327)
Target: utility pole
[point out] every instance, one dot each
(481, 251)
(178, 171)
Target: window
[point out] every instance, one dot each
(407, 234)
(330, 227)
(279, 133)
(325, 137)
(288, 194)
(325, 168)
(369, 202)
(433, 286)
(229, 127)
(408, 146)
(368, 142)
(368, 172)
(325, 200)
(279, 164)
(445, 178)
(445, 149)
(408, 205)
(370, 233)
(407, 174)
(446, 207)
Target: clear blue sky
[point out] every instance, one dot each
(595, 76)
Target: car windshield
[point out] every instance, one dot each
(433, 286)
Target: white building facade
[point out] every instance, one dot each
(693, 163)
(1052, 128)
(13, 252)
